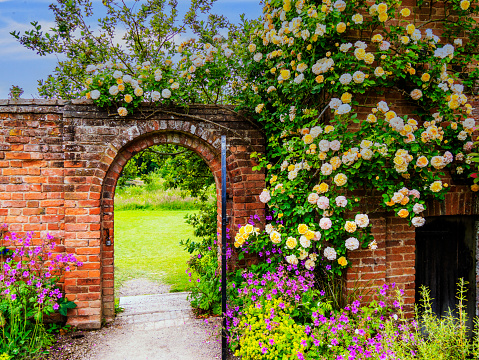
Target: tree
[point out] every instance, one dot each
(130, 35)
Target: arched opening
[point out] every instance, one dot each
(205, 151)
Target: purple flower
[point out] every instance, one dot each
(14, 297)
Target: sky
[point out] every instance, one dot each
(23, 67)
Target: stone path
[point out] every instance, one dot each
(158, 327)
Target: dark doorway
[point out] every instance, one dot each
(446, 252)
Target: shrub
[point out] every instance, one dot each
(28, 291)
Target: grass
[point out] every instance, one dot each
(153, 196)
(147, 245)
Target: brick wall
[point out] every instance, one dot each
(59, 164)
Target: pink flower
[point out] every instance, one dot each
(323, 203)
(325, 223)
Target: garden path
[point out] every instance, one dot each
(152, 327)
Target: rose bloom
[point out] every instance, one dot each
(416, 94)
(336, 162)
(166, 93)
(326, 169)
(342, 261)
(313, 198)
(384, 45)
(341, 201)
(308, 139)
(422, 161)
(291, 242)
(357, 18)
(350, 226)
(325, 223)
(323, 203)
(269, 228)
(475, 187)
(128, 98)
(351, 243)
(252, 47)
(292, 259)
(259, 108)
(379, 71)
(138, 91)
(302, 228)
(340, 179)
(436, 186)
(405, 12)
(362, 220)
(309, 264)
(323, 188)
(418, 208)
(265, 196)
(155, 95)
(377, 38)
(403, 213)
(330, 253)
(275, 237)
(418, 221)
(341, 27)
(122, 111)
(335, 145)
(305, 242)
(465, 4)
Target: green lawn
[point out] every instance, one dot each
(147, 245)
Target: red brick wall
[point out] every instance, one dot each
(59, 164)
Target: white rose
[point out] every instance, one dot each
(330, 253)
(95, 94)
(166, 93)
(351, 243)
(305, 242)
(265, 196)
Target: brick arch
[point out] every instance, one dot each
(206, 151)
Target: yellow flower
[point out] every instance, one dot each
(119, 81)
(475, 187)
(291, 167)
(359, 53)
(128, 98)
(436, 186)
(309, 235)
(322, 155)
(383, 17)
(390, 203)
(341, 27)
(369, 58)
(269, 166)
(342, 261)
(371, 118)
(285, 74)
(328, 129)
(302, 228)
(382, 8)
(121, 87)
(410, 29)
(275, 237)
(425, 77)
(291, 242)
(340, 179)
(350, 226)
(308, 139)
(319, 79)
(377, 38)
(273, 179)
(405, 40)
(259, 108)
(323, 188)
(465, 4)
(403, 213)
(405, 12)
(346, 98)
(122, 111)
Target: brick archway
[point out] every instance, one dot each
(59, 163)
(209, 153)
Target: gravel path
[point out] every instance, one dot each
(143, 332)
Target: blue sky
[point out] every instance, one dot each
(23, 67)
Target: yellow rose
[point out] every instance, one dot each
(410, 29)
(341, 27)
(465, 4)
(346, 98)
(128, 98)
(382, 8)
(350, 226)
(383, 17)
(319, 79)
(405, 12)
(323, 188)
(425, 77)
(403, 213)
(121, 87)
(291, 242)
(340, 179)
(475, 187)
(436, 186)
(342, 261)
(308, 139)
(302, 228)
(285, 74)
(309, 235)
